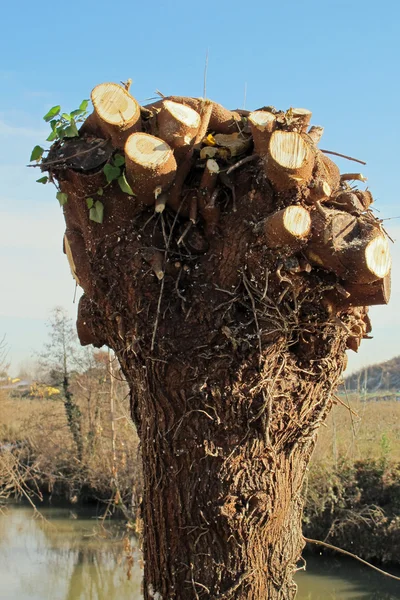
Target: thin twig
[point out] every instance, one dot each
(67, 158)
(241, 162)
(353, 177)
(153, 338)
(344, 156)
(318, 542)
(185, 232)
(205, 76)
(353, 412)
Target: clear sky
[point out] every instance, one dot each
(339, 59)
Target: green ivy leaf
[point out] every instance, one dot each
(53, 124)
(37, 153)
(66, 116)
(119, 160)
(83, 105)
(71, 130)
(52, 113)
(53, 136)
(124, 185)
(62, 198)
(42, 179)
(111, 172)
(89, 202)
(96, 212)
(100, 192)
(77, 112)
(60, 132)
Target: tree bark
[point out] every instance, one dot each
(227, 345)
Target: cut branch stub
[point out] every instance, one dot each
(209, 177)
(290, 160)
(327, 170)
(262, 125)
(364, 294)
(287, 227)
(150, 166)
(222, 120)
(353, 177)
(177, 124)
(207, 199)
(234, 143)
(320, 190)
(315, 133)
(354, 202)
(302, 118)
(156, 260)
(369, 294)
(117, 112)
(347, 201)
(349, 247)
(368, 257)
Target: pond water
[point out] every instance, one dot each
(67, 555)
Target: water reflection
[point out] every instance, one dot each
(337, 579)
(63, 558)
(67, 556)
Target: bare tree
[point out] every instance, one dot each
(58, 357)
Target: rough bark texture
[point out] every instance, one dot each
(232, 351)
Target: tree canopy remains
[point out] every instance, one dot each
(229, 265)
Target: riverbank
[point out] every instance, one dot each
(353, 488)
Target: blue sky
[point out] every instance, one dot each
(339, 59)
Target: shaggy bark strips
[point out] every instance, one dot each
(117, 112)
(228, 288)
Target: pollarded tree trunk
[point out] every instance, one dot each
(227, 307)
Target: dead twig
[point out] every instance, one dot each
(67, 158)
(353, 177)
(241, 162)
(364, 562)
(353, 412)
(344, 156)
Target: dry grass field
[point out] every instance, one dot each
(373, 432)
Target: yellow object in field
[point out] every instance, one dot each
(15, 380)
(42, 390)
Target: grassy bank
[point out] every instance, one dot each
(353, 488)
(39, 456)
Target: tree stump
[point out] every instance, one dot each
(220, 284)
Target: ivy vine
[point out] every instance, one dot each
(65, 125)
